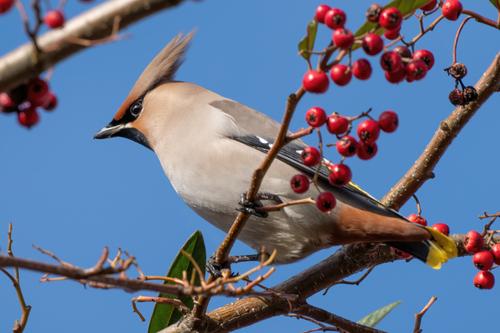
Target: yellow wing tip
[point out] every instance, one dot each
(442, 248)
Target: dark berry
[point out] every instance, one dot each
(299, 183)
(457, 70)
(426, 56)
(484, 280)
(326, 201)
(335, 18)
(396, 76)
(343, 38)
(388, 121)
(321, 11)
(340, 174)
(368, 131)
(391, 61)
(403, 51)
(473, 242)
(392, 34)
(311, 156)
(361, 69)
(483, 260)
(28, 117)
(373, 13)
(341, 74)
(372, 43)
(456, 97)
(315, 82)
(316, 116)
(52, 102)
(451, 9)
(5, 5)
(390, 18)
(470, 94)
(38, 92)
(347, 146)
(337, 124)
(367, 151)
(415, 218)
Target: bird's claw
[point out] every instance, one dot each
(251, 207)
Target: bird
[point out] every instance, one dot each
(209, 145)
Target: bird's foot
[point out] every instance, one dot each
(216, 269)
(255, 207)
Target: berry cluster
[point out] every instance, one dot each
(53, 18)
(365, 147)
(465, 94)
(26, 98)
(484, 257)
(398, 64)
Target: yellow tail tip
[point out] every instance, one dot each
(442, 248)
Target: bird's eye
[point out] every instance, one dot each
(136, 108)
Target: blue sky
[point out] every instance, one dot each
(73, 195)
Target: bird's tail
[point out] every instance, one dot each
(434, 252)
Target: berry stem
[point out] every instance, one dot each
(419, 206)
(457, 36)
(415, 39)
(275, 208)
(299, 134)
(32, 33)
(482, 19)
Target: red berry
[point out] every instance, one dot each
(311, 156)
(403, 51)
(347, 146)
(38, 92)
(5, 5)
(417, 219)
(484, 280)
(372, 43)
(416, 70)
(326, 201)
(388, 121)
(390, 18)
(315, 81)
(316, 116)
(337, 124)
(473, 242)
(362, 69)
(299, 183)
(368, 131)
(452, 9)
(54, 19)
(429, 5)
(335, 18)
(367, 151)
(341, 74)
(340, 174)
(392, 34)
(396, 76)
(426, 56)
(483, 260)
(391, 61)
(495, 250)
(442, 228)
(52, 102)
(321, 10)
(343, 38)
(6, 101)
(28, 117)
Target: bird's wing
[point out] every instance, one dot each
(291, 155)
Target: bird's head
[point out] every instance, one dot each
(134, 117)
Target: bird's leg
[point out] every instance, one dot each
(215, 269)
(252, 207)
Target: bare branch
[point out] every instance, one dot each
(57, 45)
(420, 315)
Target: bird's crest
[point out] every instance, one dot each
(161, 69)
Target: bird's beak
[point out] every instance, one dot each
(109, 131)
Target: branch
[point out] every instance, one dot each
(449, 128)
(420, 315)
(56, 45)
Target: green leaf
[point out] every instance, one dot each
(165, 314)
(307, 43)
(376, 316)
(495, 3)
(405, 7)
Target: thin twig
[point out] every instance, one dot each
(420, 315)
(178, 304)
(457, 36)
(355, 283)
